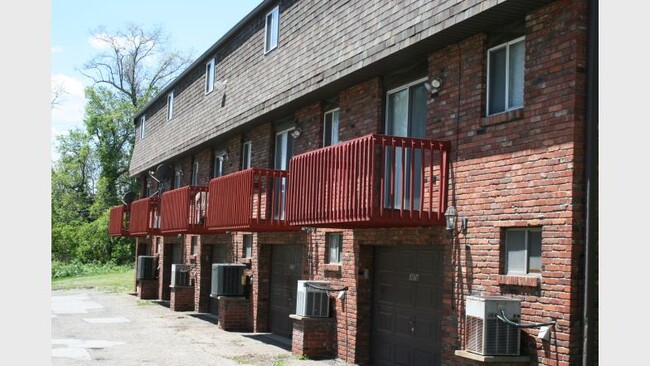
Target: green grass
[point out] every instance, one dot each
(119, 280)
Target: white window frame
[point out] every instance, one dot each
(143, 123)
(275, 29)
(210, 73)
(170, 105)
(332, 142)
(195, 245)
(195, 173)
(217, 171)
(505, 45)
(526, 271)
(178, 177)
(247, 246)
(246, 155)
(334, 257)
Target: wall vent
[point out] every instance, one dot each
(485, 334)
(313, 300)
(180, 275)
(227, 279)
(146, 268)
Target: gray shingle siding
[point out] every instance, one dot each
(319, 43)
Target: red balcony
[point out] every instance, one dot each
(145, 217)
(250, 200)
(371, 181)
(118, 224)
(183, 210)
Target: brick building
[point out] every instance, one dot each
(331, 141)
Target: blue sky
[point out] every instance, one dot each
(193, 26)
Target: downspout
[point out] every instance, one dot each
(590, 316)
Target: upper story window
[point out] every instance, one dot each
(331, 127)
(170, 105)
(143, 123)
(195, 173)
(209, 76)
(272, 29)
(178, 177)
(248, 246)
(195, 245)
(246, 155)
(334, 247)
(219, 161)
(505, 81)
(523, 251)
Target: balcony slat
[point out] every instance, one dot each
(249, 201)
(335, 186)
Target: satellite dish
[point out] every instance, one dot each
(163, 171)
(128, 198)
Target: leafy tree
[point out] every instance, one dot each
(137, 62)
(91, 174)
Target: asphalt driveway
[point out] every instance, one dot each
(92, 327)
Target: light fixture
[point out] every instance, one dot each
(296, 132)
(451, 215)
(433, 86)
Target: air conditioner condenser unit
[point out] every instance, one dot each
(180, 275)
(313, 299)
(227, 279)
(487, 335)
(146, 268)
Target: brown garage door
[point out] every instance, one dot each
(407, 304)
(285, 272)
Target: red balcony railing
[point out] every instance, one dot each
(118, 224)
(145, 217)
(250, 200)
(183, 210)
(371, 181)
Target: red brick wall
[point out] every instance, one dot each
(360, 110)
(181, 298)
(518, 169)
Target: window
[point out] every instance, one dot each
(170, 105)
(248, 246)
(283, 154)
(148, 186)
(505, 84)
(406, 116)
(195, 173)
(178, 177)
(523, 251)
(209, 76)
(219, 161)
(246, 155)
(334, 247)
(143, 122)
(331, 127)
(195, 245)
(272, 29)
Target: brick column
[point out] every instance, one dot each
(148, 289)
(181, 298)
(233, 313)
(313, 337)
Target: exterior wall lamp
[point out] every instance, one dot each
(451, 215)
(296, 132)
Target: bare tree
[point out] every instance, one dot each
(136, 62)
(58, 92)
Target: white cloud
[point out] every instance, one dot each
(57, 49)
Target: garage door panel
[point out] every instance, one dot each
(407, 306)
